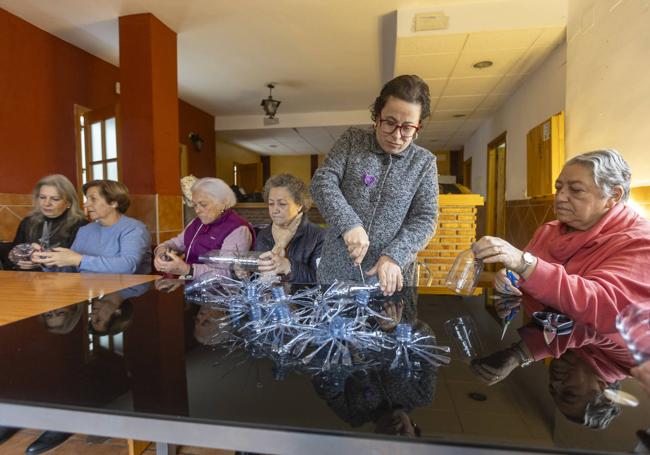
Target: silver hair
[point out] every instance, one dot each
(600, 411)
(608, 168)
(217, 188)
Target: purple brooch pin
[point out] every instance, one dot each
(369, 180)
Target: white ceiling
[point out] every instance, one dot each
(462, 96)
(287, 141)
(329, 58)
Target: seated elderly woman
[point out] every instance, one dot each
(292, 244)
(585, 366)
(62, 320)
(216, 227)
(209, 328)
(589, 264)
(55, 220)
(113, 313)
(593, 260)
(110, 315)
(113, 243)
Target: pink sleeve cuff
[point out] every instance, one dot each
(534, 340)
(540, 283)
(238, 240)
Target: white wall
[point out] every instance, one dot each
(538, 97)
(608, 94)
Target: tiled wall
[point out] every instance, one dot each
(162, 214)
(524, 216)
(170, 216)
(13, 208)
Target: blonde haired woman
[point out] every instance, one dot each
(56, 217)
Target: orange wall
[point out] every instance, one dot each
(192, 119)
(41, 78)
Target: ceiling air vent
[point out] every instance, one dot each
(426, 22)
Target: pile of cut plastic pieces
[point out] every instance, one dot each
(315, 329)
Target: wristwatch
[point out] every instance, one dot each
(189, 275)
(528, 260)
(524, 359)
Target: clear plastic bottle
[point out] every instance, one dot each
(248, 261)
(464, 273)
(22, 252)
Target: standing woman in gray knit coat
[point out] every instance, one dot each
(378, 191)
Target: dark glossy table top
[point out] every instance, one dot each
(153, 365)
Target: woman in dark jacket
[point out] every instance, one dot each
(55, 220)
(292, 244)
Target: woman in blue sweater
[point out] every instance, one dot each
(113, 243)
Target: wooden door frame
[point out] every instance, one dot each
(495, 203)
(467, 173)
(78, 112)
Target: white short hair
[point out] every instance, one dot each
(608, 169)
(217, 189)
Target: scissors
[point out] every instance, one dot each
(508, 319)
(513, 304)
(553, 324)
(513, 279)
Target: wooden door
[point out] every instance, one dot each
(249, 177)
(544, 156)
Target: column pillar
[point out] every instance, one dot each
(149, 146)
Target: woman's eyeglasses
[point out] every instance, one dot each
(389, 126)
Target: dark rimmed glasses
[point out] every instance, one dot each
(389, 126)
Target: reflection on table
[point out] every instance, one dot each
(163, 356)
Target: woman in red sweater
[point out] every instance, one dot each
(593, 260)
(588, 264)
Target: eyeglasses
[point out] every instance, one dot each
(389, 126)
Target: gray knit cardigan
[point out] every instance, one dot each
(394, 197)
